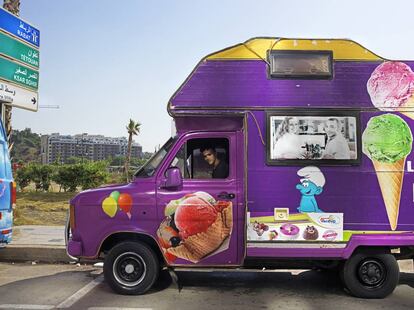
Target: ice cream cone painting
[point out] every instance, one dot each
(195, 226)
(387, 141)
(391, 88)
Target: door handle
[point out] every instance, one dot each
(225, 195)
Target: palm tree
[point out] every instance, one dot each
(13, 6)
(133, 130)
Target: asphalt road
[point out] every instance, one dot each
(40, 286)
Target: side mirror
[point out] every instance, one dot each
(174, 178)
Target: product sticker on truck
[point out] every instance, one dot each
(298, 227)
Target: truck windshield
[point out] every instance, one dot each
(149, 168)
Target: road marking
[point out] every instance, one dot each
(11, 306)
(71, 300)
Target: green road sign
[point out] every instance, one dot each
(19, 74)
(18, 50)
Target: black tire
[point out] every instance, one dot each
(131, 268)
(341, 274)
(370, 275)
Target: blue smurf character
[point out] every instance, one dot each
(310, 185)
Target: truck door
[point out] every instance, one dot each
(199, 220)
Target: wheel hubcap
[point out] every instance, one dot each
(129, 269)
(372, 273)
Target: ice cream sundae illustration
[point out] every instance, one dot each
(260, 228)
(310, 233)
(273, 234)
(289, 231)
(391, 88)
(387, 141)
(310, 185)
(195, 226)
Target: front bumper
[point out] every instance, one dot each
(74, 248)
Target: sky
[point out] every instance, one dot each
(104, 62)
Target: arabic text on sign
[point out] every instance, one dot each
(15, 49)
(15, 26)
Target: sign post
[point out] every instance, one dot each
(18, 28)
(15, 49)
(19, 62)
(18, 97)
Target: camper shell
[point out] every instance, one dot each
(307, 182)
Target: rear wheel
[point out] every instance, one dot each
(131, 268)
(370, 275)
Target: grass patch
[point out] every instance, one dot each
(38, 208)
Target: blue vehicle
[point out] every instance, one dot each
(7, 191)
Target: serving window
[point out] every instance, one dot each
(319, 137)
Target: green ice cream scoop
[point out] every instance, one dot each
(387, 138)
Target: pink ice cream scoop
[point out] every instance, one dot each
(391, 85)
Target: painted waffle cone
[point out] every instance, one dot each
(390, 178)
(227, 215)
(408, 108)
(200, 245)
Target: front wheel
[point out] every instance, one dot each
(370, 275)
(131, 268)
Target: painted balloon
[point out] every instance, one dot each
(109, 206)
(125, 202)
(115, 195)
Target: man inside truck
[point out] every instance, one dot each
(337, 146)
(220, 167)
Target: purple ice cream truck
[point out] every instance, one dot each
(287, 152)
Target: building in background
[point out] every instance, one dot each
(59, 148)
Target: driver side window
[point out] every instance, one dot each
(203, 159)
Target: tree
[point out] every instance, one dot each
(94, 174)
(68, 176)
(133, 129)
(74, 160)
(117, 161)
(26, 146)
(23, 177)
(85, 175)
(13, 6)
(41, 175)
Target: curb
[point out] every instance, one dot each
(43, 253)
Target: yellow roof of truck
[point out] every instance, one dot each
(256, 48)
